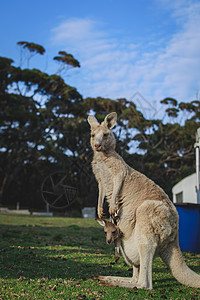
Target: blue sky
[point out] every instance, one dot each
(123, 46)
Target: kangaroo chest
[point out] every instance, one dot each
(104, 174)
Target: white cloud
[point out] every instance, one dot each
(75, 30)
(112, 67)
(181, 59)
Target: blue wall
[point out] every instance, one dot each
(189, 227)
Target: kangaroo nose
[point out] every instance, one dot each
(109, 241)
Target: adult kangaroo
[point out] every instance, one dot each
(148, 219)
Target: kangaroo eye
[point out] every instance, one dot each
(105, 134)
(92, 135)
(105, 232)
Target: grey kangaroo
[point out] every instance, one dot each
(147, 217)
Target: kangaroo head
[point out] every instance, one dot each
(102, 138)
(112, 231)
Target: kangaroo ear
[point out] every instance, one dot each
(110, 120)
(101, 222)
(93, 121)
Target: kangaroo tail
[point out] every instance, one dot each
(172, 256)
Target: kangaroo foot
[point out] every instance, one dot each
(117, 282)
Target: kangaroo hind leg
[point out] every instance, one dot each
(147, 243)
(146, 252)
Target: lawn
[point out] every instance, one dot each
(56, 258)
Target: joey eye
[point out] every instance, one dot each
(105, 232)
(92, 135)
(105, 135)
(115, 231)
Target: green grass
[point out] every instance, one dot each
(56, 258)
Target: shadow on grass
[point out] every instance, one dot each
(67, 252)
(56, 252)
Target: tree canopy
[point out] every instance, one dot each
(44, 129)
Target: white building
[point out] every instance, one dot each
(185, 190)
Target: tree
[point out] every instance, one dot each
(66, 61)
(35, 109)
(168, 148)
(30, 49)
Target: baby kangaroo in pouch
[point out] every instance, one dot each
(113, 235)
(147, 218)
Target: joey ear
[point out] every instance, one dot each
(92, 121)
(101, 222)
(110, 120)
